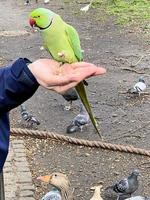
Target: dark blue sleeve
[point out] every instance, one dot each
(17, 84)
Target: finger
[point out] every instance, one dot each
(82, 64)
(86, 64)
(63, 89)
(100, 71)
(77, 77)
(59, 80)
(81, 73)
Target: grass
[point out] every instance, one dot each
(126, 11)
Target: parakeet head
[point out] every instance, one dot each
(41, 18)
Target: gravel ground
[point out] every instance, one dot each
(106, 44)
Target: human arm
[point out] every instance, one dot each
(18, 82)
(61, 78)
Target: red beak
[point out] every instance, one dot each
(32, 22)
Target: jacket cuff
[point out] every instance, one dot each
(20, 69)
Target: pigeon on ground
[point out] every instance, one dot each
(70, 96)
(127, 186)
(61, 182)
(87, 7)
(79, 121)
(139, 87)
(97, 192)
(27, 2)
(27, 117)
(46, 1)
(138, 198)
(54, 194)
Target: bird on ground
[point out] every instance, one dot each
(62, 42)
(87, 7)
(27, 2)
(46, 1)
(81, 120)
(126, 186)
(54, 194)
(138, 198)
(139, 87)
(97, 192)
(27, 117)
(70, 96)
(62, 186)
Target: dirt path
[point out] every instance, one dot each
(105, 44)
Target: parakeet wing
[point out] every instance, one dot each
(74, 41)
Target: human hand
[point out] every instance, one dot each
(51, 75)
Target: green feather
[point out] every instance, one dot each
(74, 41)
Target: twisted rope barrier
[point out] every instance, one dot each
(83, 142)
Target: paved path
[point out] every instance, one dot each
(17, 175)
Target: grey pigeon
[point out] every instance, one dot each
(70, 96)
(138, 198)
(79, 121)
(140, 86)
(27, 2)
(128, 185)
(27, 117)
(54, 194)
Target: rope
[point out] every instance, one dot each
(88, 143)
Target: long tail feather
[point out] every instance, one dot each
(83, 96)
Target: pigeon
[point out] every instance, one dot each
(27, 2)
(97, 193)
(128, 185)
(70, 96)
(54, 194)
(61, 182)
(87, 7)
(46, 1)
(138, 198)
(79, 121)
(140, 86)
(27, 117)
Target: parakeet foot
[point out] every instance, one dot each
(61, 54)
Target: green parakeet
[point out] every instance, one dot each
(62, 41)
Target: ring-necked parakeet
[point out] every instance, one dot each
(62, 41)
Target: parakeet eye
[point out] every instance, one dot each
(55, 175)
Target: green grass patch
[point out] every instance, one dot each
(126, 11)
